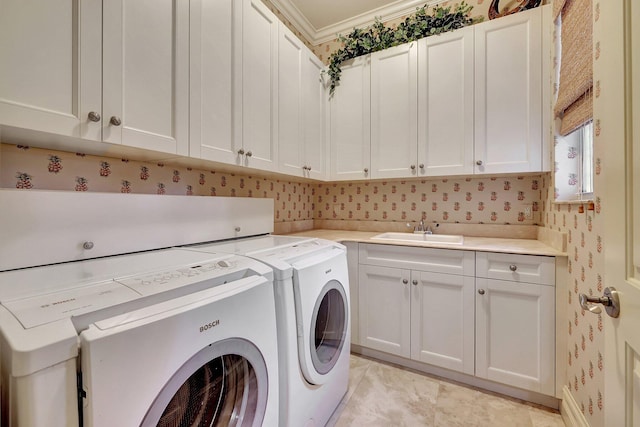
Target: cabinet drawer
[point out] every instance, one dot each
(519, 268)
(422, 259)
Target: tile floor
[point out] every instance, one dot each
(381, 395)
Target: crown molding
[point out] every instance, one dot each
(315, 36)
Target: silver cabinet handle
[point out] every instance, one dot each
(415, 282)
(479, 163)
(93, 116)
(249, 154)
(405, 281)
(241, 151)
(610, 300)
(115, 121)
(513, 267)
(413, 167)
(481, 291)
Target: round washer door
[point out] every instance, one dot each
(328, 333)
(225, 384)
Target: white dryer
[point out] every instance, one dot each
(312, 311)
(166, 337)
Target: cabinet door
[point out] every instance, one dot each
(51, 65)
(445, 104)
(442, 320)
(508, 94)
(259, 92)
(145, 94)
(384, 302)
(314, 108)
(394, 107)
(213, 28)
(350, 122)
(290, 114)
(515, 334)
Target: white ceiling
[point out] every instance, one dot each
(321, 20)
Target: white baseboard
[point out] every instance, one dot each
(570, 410)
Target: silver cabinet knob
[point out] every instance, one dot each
(304, 168)
(481, 291)
(366, 170)
(237, 229)
(249, 154)
(93, 116)
(87, 246)
(421, 166)
(413, 167)
(309, 168)
(610, 300)
(405, 281)
(241, 151)
(415, 282)
(513, 267)
(115, 121)
(479, 163)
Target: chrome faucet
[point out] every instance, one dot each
(421, 227)
(428, 230)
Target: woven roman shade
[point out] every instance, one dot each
(574, 104)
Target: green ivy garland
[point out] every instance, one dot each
(378, 37)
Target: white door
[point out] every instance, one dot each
(51, 65)
(145, 95)
(445, 104)
(384, 306)
(350, 122)
(515, 334)
(394, 112)
(290, 114)
(443, 321)
(259, 92)
(508, 93)
(621, 197)
(212, 77)
(314, 107)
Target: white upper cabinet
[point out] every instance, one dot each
(51, 65)
(350, 122)
(445, 104)
(301, 103)
(113, 71)
(394, 105)
(212, 78)
(145, 100)
(257, 94)
(314, 107)
(508, 93)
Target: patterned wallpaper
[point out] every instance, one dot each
(491, 200)
(28, 167)
(585, 247)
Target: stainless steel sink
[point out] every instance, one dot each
(421, 237)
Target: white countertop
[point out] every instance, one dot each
(483, 244)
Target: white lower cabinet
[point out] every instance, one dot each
(418, 313)
(484, 314)
(515, 321)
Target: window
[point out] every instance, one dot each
(574, 165)
(574, 101)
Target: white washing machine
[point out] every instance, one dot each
(312, 311)
(170, 337)
(100, 326)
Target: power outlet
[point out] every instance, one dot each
(527, 212)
